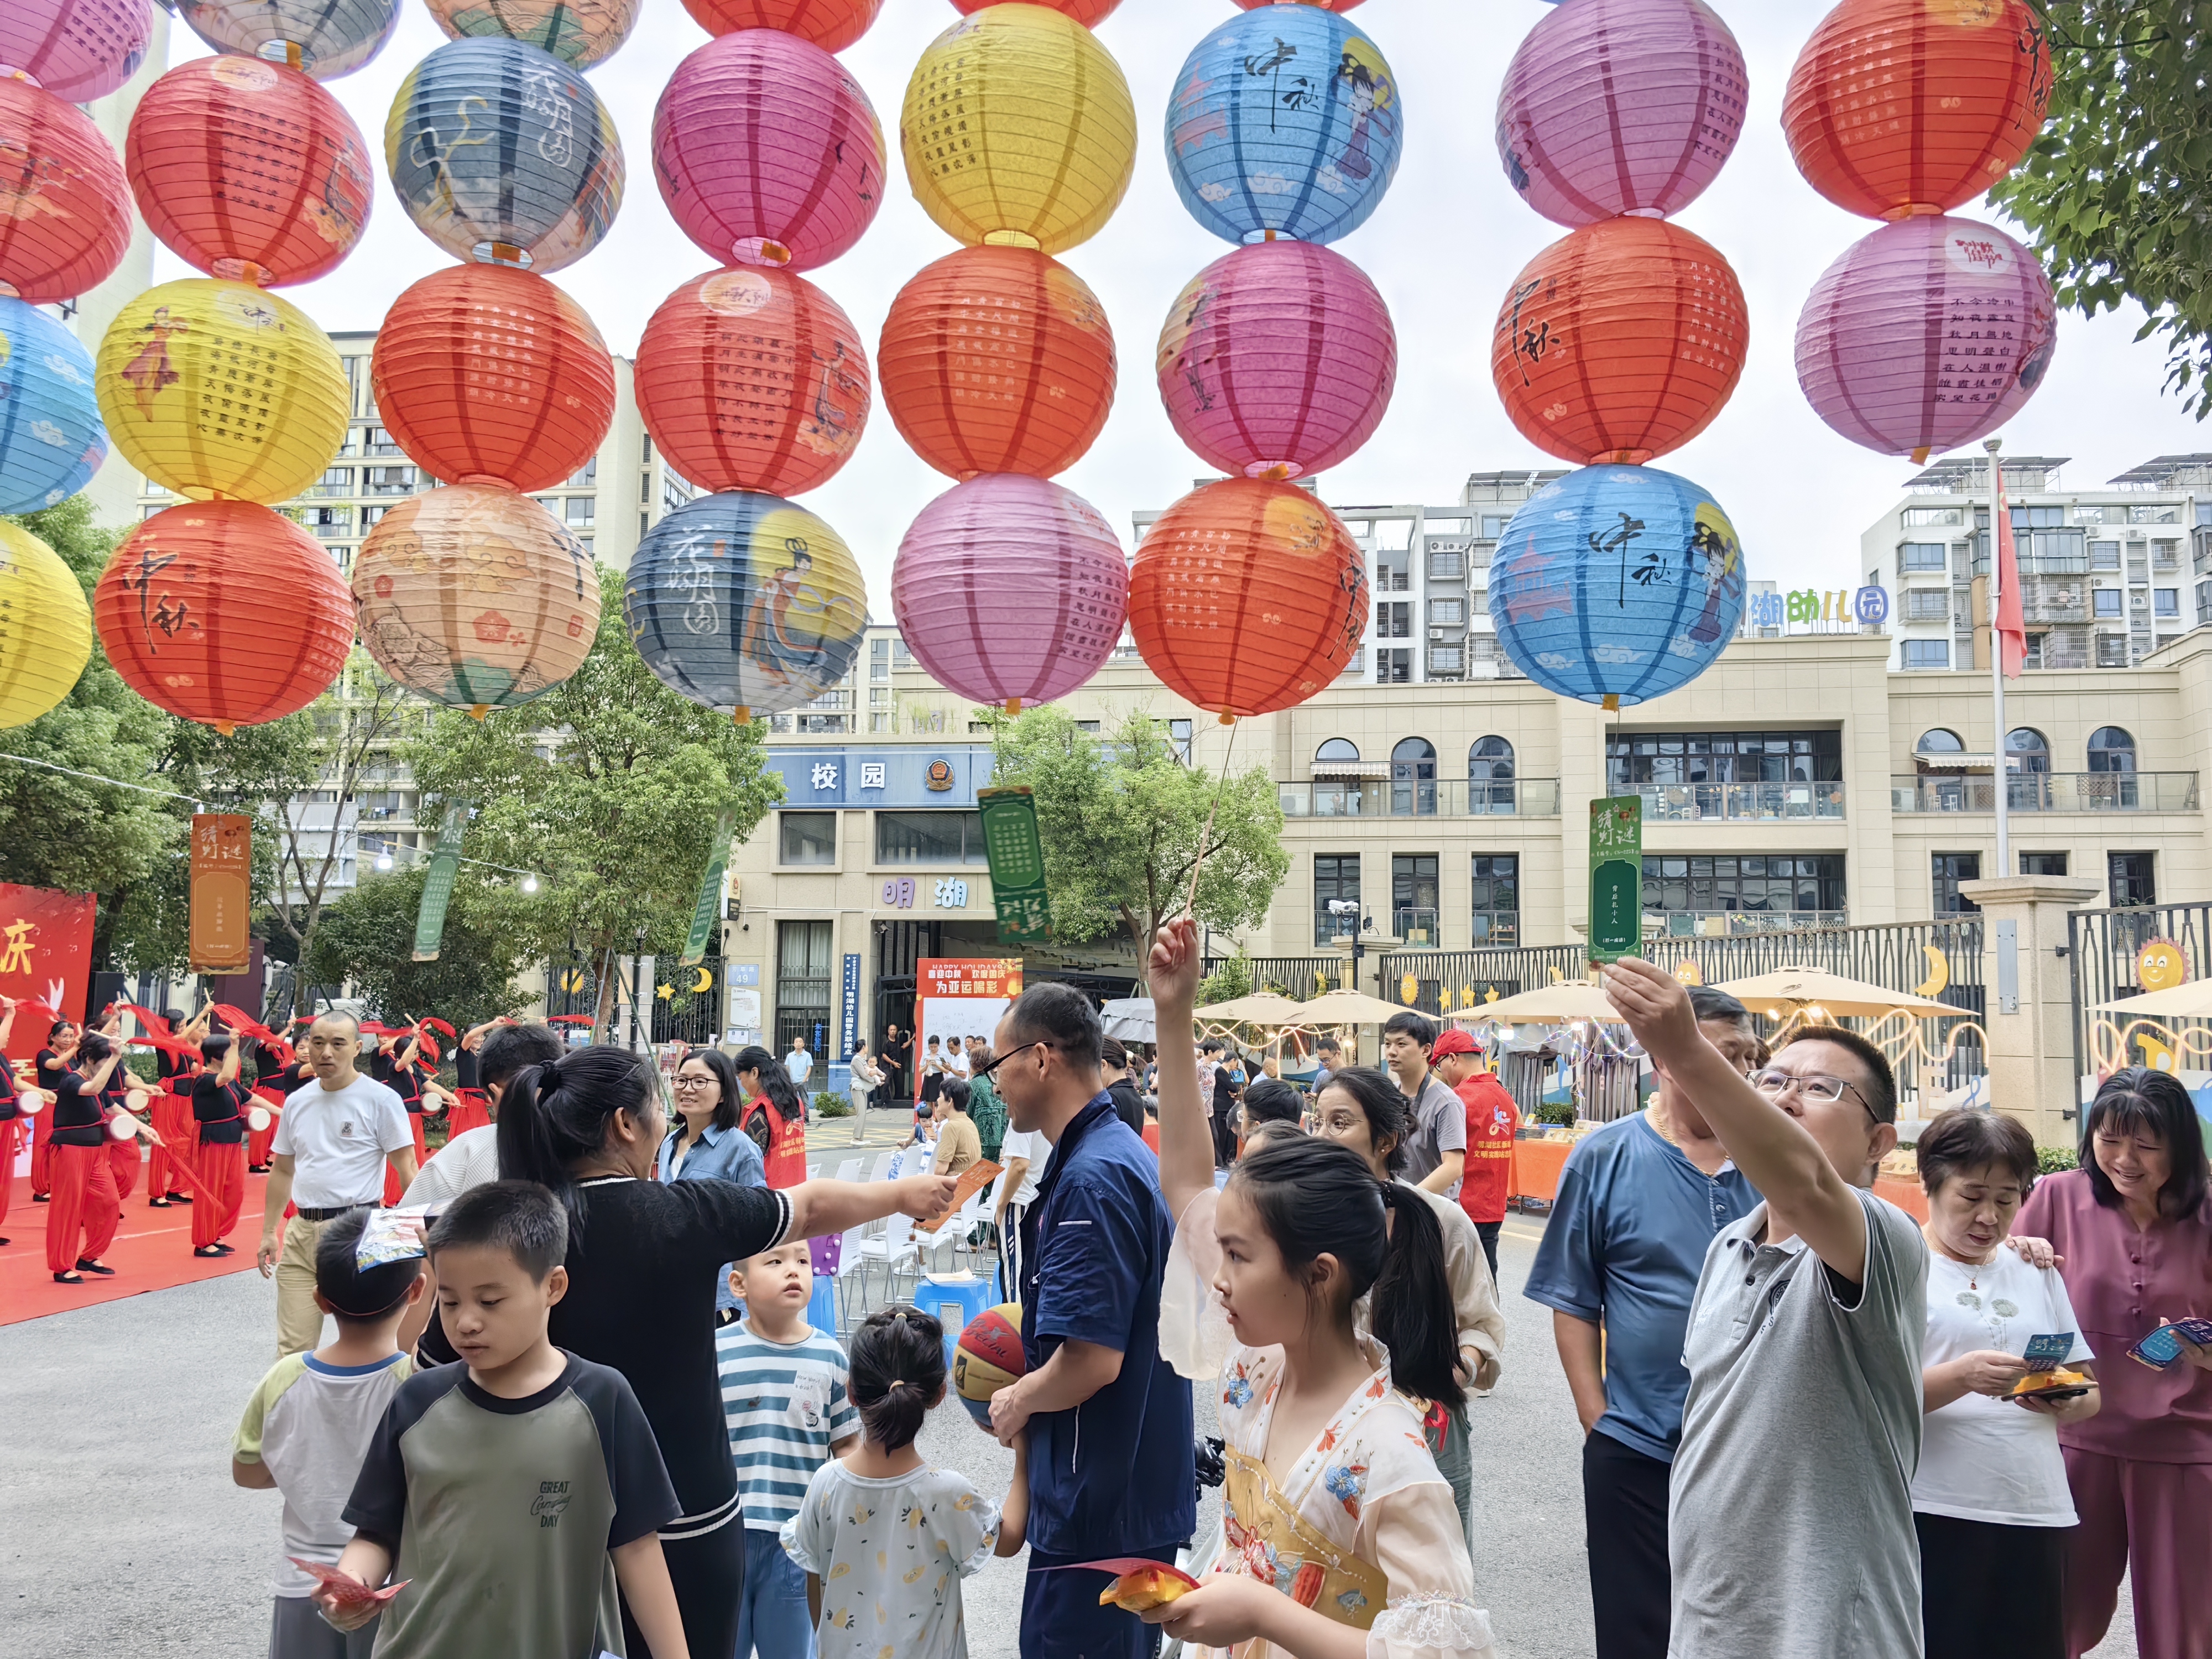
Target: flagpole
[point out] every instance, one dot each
(2003, 789)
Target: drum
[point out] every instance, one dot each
(121, 1125)
(257, 1118)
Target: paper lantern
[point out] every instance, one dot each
(1323, 5)
(215, 388)
(51, 439)
(331, 37)
(1278, 360)
(1613, 107)
(768, 152)
(1620, 341)
(1009, 589)
(476, 596)
(1284, 120)
(1017, 129)
(752, 379)
(224, 613)
(1089, 13)
(77, 50)
(746, 602)
(997, 360)
(1247, 595)
(1913, 107)
(236, 163)
(580, 32)
(1614, 584)
(64, 208)
(46, 627)
(487, 374)
(832, 25)
(501, 152)
(1926, 334)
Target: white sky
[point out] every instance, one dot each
(1442, 248)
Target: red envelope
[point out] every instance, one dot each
(1122, 1566)
(350, 1592)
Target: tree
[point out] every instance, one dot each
(367, 935)
(1120, 819)
(608, 788)
(2115, 189)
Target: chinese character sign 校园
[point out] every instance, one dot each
(1017, 857)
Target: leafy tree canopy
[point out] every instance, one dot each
(368, 935)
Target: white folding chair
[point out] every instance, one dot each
(885, 1162)
(849, 1170)
(893, 1248)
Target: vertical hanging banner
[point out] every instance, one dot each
(219, 936)
(707, 909)
(848, 1016)
(1616, 864)
(1017, 857)
(438, 884)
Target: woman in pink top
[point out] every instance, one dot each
(2133, 1226)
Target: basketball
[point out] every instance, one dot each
(988, 1357)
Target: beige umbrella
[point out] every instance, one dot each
(1261, 1008)
(1788, 989)
(1348, 1008)
(2190, 1001)
(1571, 999)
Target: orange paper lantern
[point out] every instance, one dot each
(997, 360)
(753, 378)
(1247, 595)
(1620, 341)
(64, 208)
(832, 25)
(225, 613)
(483, 371)
(1911, 107)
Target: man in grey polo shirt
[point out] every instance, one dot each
(1789, 1522)
(1436, 1140)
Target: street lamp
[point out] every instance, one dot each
(636, 973)
(530, 884)
(384, 858)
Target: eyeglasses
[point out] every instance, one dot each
(1042, 1042)
(1813, 1085)
(683, 1083)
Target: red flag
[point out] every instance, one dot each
(2012, 624)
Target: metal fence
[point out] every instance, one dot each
(2102, 948)
(684, 1015)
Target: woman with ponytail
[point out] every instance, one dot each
(774, 1116)
(644, 1259)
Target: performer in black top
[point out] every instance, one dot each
(82, 1221)
(169, 1171)
(57, 1057)
(219, 1106)
(402, 1056)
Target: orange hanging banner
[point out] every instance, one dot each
(223, 893)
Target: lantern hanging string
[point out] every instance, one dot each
(1190, 903)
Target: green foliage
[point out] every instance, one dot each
(2115, 189)
(829, 1105)
(1557, 1112)
(1231, 979)
(2055, 1160)
(366, 934)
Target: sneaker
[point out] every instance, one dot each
(85, 1267)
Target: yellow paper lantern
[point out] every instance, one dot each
(46, 627)
(222, 391)
(1017, 130)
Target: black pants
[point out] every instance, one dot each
(708, 1574)
(1988, 1589)
(1625, 1527)
(1487, 1232)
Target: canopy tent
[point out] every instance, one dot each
(1788, 990)
(1570, 1000)
(2190, 1001)
(1261, 1008)
(1348, 1008)
(1130, 1019)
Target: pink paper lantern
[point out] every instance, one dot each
(77, 50)
(1613, 107)
(1009, 589)
(1927, 334)
(768, 152)
(1276, 360)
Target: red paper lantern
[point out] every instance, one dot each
(753, 378)
(1247, 595)
(64, 208)
(1620, 341)
(1089, 13)
(997, 360)
(224, 613)
(483, 371)
(234, 160)
(1909, 107)
(832, 25)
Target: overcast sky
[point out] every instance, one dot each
(1442, 248)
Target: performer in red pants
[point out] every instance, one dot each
(168, 1172)
(125, 1155)
(54, 1060)
(81, 1224)
(402, 1072)
(10, 1117)
(219, 1108)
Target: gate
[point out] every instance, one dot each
(2102, 947)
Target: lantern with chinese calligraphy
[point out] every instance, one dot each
(1615, 585)
(224, 613)
(1613, 107)
(330, 37)
(476, 596)
(1089, 13)
(753, 379)
(832, 25)
(997, 360)
(46, 627)
(64, 208)
(1927, 334)
(1284, 122)
(500, 152)
(1009, 589)
(580, 32)
(1278, 360)
(1247, 595)
(768, 152)
(247, 168)
(51, 441)
(77, 50)
(215, 388)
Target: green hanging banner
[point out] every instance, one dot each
(1010, 839)
(707, 909)
(1616, 874)
(438, 884)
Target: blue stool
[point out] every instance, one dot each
(954, 1299)
(822, 1309)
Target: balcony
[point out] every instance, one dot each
(2048, 791)
(1741, 802)
(1447, 798)
(1682, 924)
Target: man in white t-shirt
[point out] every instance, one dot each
(1024, 1155)
(333, 1143)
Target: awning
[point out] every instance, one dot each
(1350, 769)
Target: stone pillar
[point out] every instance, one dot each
(2031, 1051)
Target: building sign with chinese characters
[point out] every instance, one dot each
(946, 893)
(1809, 607)
(861, 777)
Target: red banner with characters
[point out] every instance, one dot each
(45, 956)
(960, 997)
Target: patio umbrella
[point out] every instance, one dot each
(1788, 989)
(1572, 1000)
(1130, 1019)
(1261, 1008)
(1348, 1008)
(2190, 1001)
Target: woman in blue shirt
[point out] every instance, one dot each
(705, 1144)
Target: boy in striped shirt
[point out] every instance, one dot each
(784, 1399)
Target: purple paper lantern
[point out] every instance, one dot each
(1009, 589)
(1613, 107)
(768, 152)
(1278, 360)
(1928, 334)
(77, 50)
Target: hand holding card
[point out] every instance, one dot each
(347, 1603)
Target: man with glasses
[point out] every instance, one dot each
(1789, 1525)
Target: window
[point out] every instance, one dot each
(1490, 779)
(1917, 517)
(1730, 882)
(1676, 757)
(2111, 650)
(2025, 750)
(389, 481)
(582, 510)
(1180, 734)
(1336, 880)
(1493, 525)
(946, 837)
(2090, 512)
(2131, 878)
(1447, 659)
(2166, 601)
(1393, 667)
(1447, 613)
(2166, 514)
(2043, 864)
(1447, 564)
(1926, 603)
(1413, 777)
(587, 479)
(802, 985)
(2107, 600)
(1394, 620)
(1337, 749)
(1939, 740)
(1926, 654)
(2112, 750)
(1951, 869)
(879, 658)
(2104, 555)
(1923, 556)
(1497, 899)
(809, 837)
(1413, 898)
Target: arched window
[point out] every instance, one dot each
(1940, 740)
(2111, 749)
(1413, 777)
(1338, 749)
(2025, 750)
(1490, 775)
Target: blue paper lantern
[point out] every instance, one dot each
(746, 602)
(1617, 583)
(333, 37)
(52, 438)
(1285, 121)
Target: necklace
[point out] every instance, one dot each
(1975, 1264)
